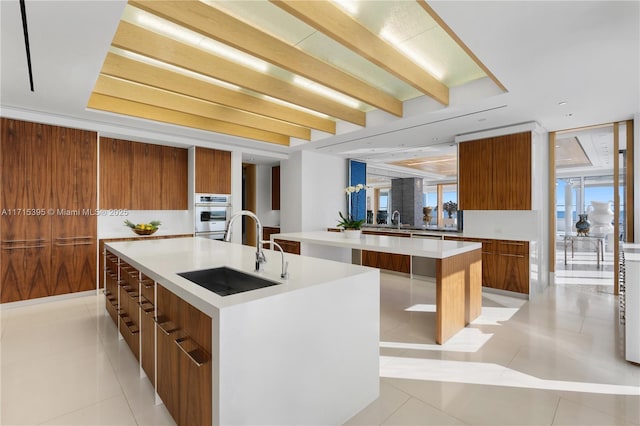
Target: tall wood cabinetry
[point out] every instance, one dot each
(495, 173)
(48, 194)
(142, 176)
(213, 171)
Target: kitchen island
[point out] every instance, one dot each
(304, 350)
(458, 270)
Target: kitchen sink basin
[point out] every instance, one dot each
(225, 281)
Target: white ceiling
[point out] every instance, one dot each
(586, 54)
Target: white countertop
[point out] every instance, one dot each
(631, 252)
(161, 260)
(432, 248)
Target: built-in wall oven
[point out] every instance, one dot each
(212, 215)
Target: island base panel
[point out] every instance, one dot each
(458, 293)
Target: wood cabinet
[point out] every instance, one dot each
(267, 231)
(213, 171)
(47, 231)
(129, 312)
(116, 173)
(389, 261)
(74, 197)
(147, 327)
(174, 182)
(141, 176)
(505, 263)
(289, 246)
(275, 188)
(184, 357)
(495, 173)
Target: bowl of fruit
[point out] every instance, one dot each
(143, 228)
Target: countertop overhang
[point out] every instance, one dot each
(431, 248)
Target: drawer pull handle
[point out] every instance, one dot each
(165, 325)
(195, 353)
(511, 255)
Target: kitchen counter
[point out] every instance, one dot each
(273, 342)
(458, 270)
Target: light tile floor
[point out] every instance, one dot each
(555, 360)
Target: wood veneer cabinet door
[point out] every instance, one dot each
(475, 174)
(173, 195)
(25, 271)
(512, 172)
(275, 188)
(213, 171)
(25, 225)
(146, 177)
(116, 173)
(73, 197)
(195, 368)
(168, 353)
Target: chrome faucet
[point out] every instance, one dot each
(285, 265)
(393, 215)
(260, 259)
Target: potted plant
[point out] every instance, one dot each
(349, 222)
(450, 207)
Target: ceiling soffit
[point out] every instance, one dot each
(272, 71)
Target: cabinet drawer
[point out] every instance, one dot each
(289, 246)
(520, 248)
(147, 288)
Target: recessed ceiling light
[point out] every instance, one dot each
(562, 103)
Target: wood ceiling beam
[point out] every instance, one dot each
(140, 72)
(215, 24)
(136, 109)
(144, 42)
(141, 93)
(333, 22)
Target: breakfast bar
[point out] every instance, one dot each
(458, 270)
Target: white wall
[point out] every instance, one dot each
(267, 216)
(312, 191)
(312, 194)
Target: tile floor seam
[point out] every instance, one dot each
(79, 409)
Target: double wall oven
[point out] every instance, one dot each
(212, 215)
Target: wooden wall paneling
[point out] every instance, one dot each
(116, 173)
(475, 174)
(512, 172)
(174, 180)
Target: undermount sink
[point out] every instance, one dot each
(225, 281)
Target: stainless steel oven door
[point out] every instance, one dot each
(211, 218)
